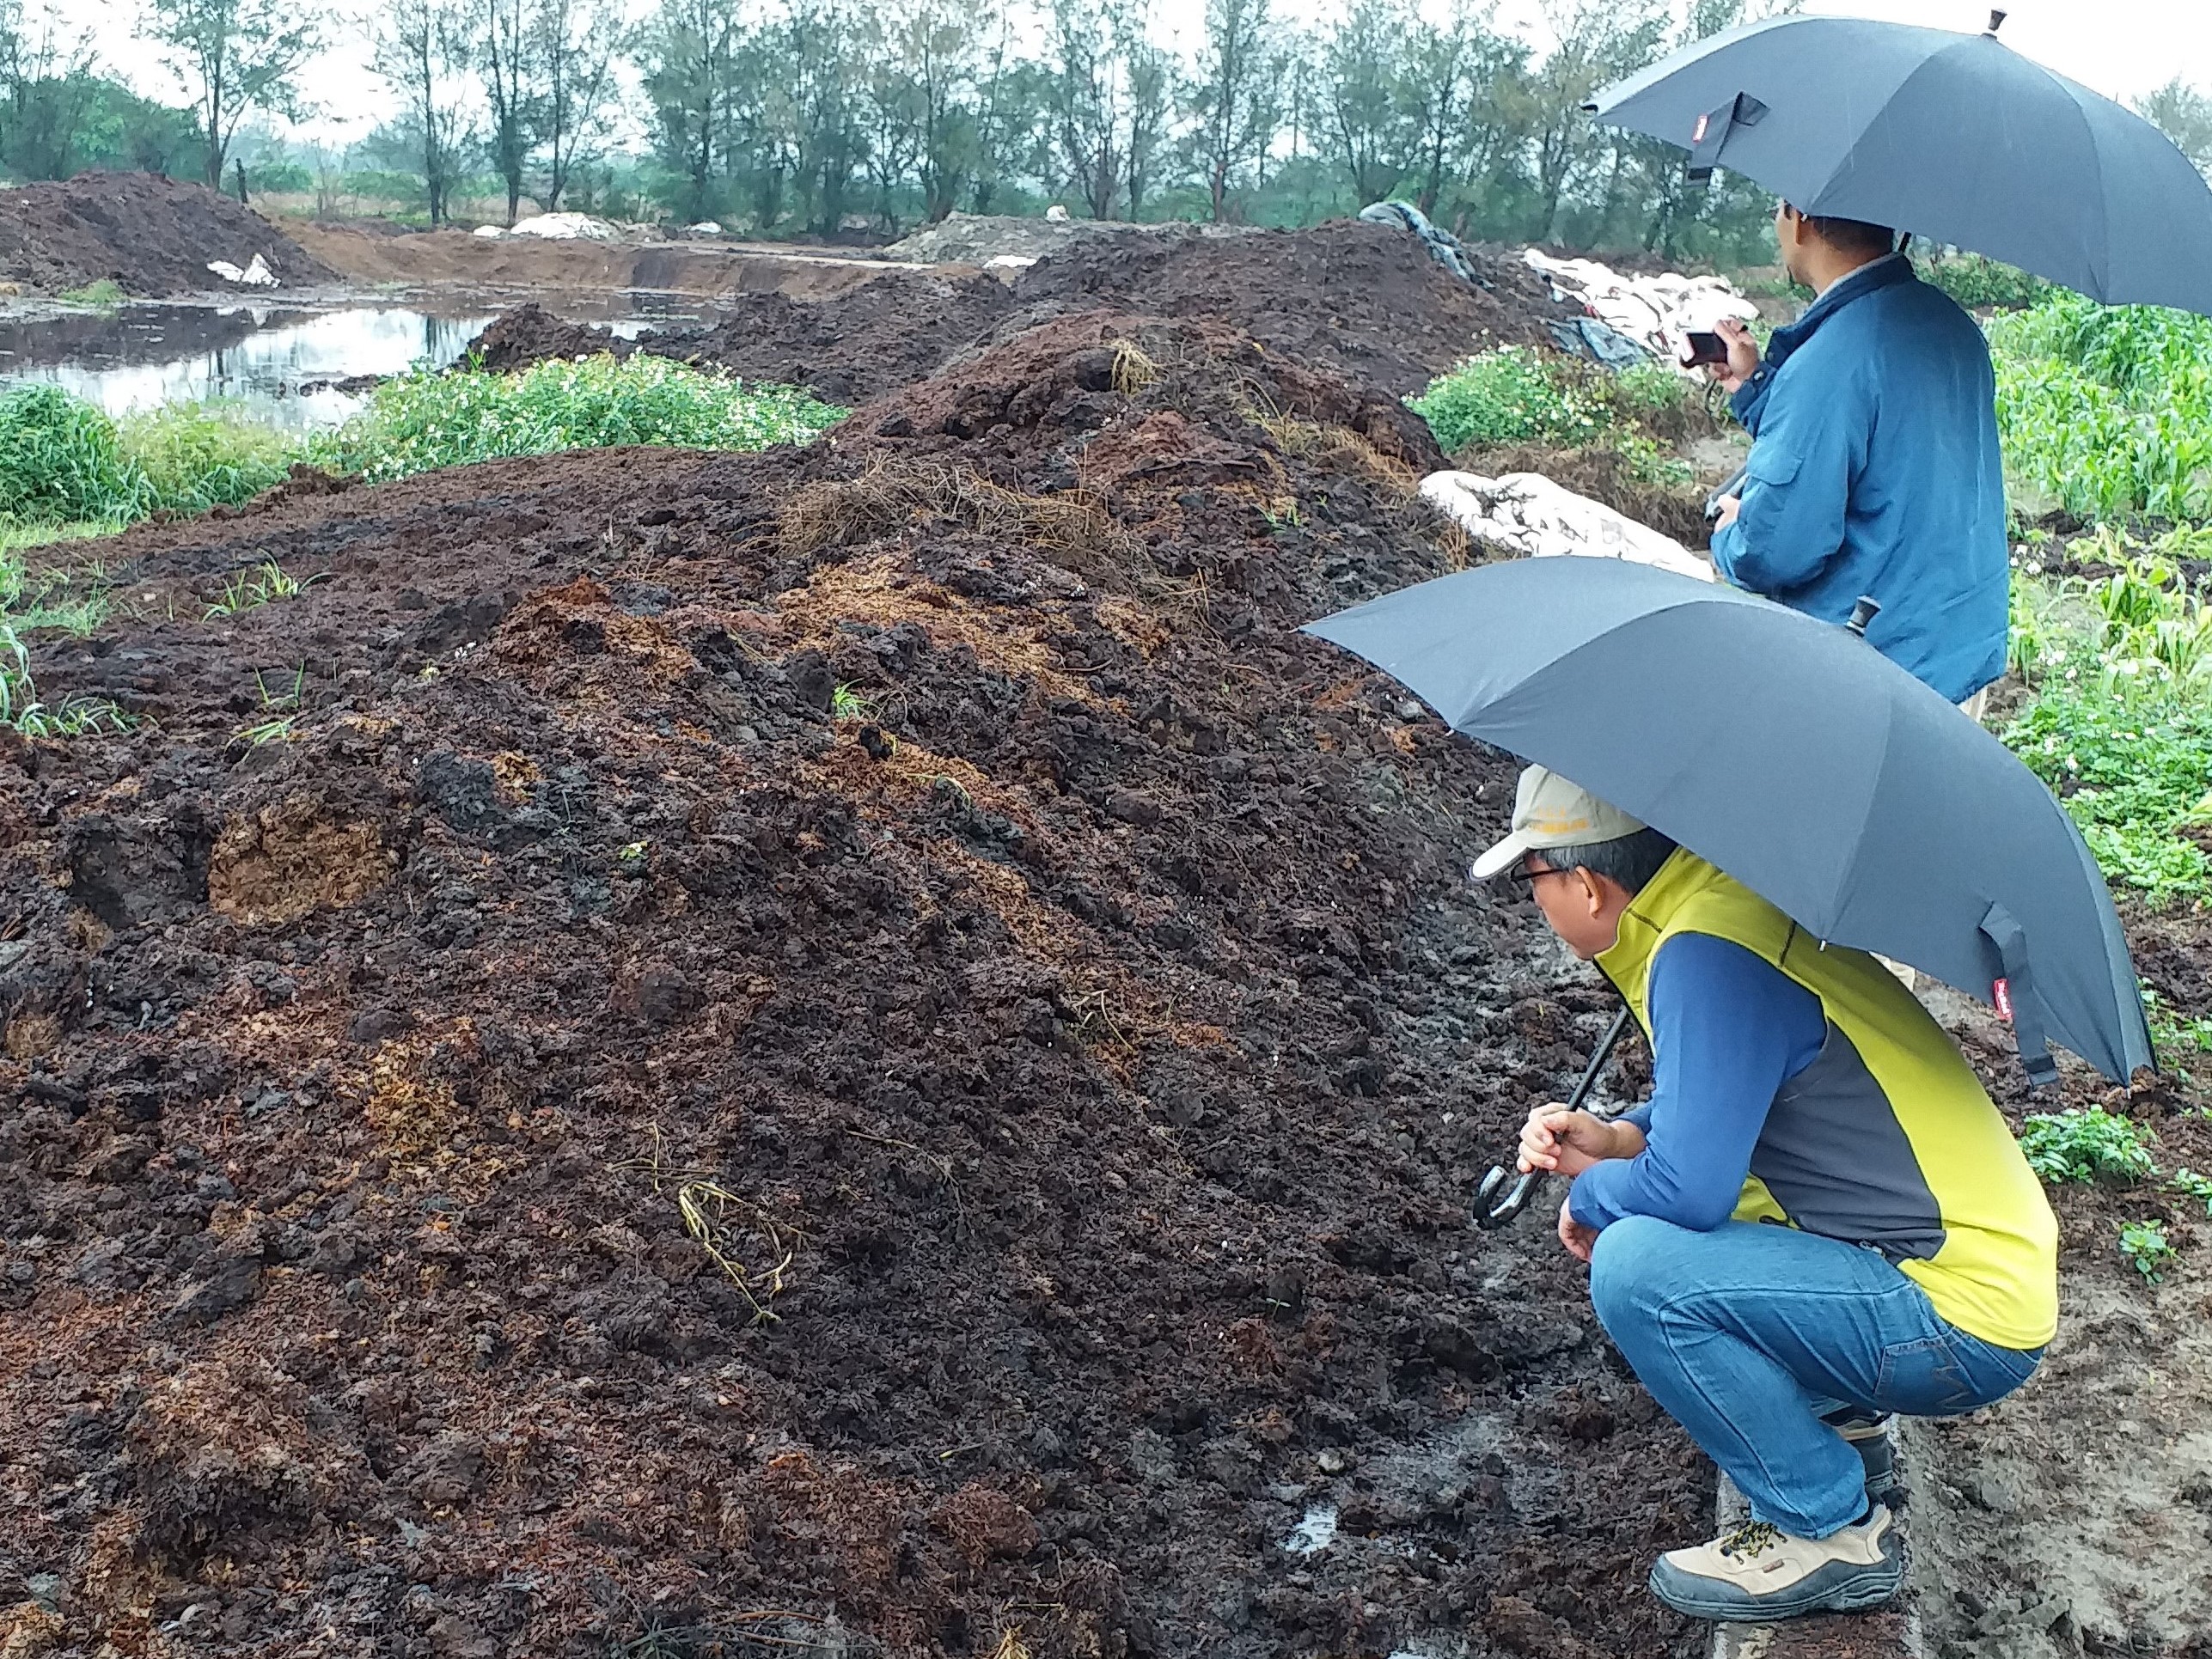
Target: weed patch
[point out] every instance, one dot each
(1518, 394)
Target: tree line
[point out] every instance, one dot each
(819, 117)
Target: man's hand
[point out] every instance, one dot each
(1743, 356)
(1569, 1143)
(1725, 511)
(1578, 1240)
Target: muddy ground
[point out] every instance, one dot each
(864, 1051)
(931, 863)
(1356, 299)
(152, 236)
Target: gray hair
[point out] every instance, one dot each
(1630, 861)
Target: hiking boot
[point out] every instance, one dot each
(1869, 1436)
(1758, 1572)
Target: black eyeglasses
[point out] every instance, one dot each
(1524, 881)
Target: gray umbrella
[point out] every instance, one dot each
(1795, 757)
(1955, 137)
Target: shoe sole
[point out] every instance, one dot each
(1848, 1597)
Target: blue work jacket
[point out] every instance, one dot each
(1874, 470)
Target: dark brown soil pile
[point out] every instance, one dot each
(153, 236)
(1360, 301)
(530, 334)
(889, 333)
(1363, 301)
(860, 1051)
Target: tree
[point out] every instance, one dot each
(422, 52)
(1235, 98)
(1598, 42)
(1361, 63)
(1087, 103)
(1150, 77)
(233, 56)
(50, 89)
(2184, 115)
(687, 54)
(502, 44)
(575, 45)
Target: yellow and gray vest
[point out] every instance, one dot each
(1887, 1139)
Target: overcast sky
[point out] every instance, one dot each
(2121, 47)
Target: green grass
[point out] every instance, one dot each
(250, 590)
(1519, 395)
(198, 455)
(2084, 1146)
(428, 420)
(106, 293)
(62, 460)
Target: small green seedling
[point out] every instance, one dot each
(2145, 1247)
(2084, 1146)
(2189, 1184)
(250, 589)
(847, 703)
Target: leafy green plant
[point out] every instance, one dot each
(2108, 409)
(848, 702)
(427, 419)
(1518, 394)
(2147, 1248)
(2084, 1146)
(2130, 755)
(1976, 282)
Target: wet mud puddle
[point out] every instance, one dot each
(295, 368)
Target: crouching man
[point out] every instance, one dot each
(1818, 1217)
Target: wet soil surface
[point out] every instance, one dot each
(2076, 1518)
(153, 236)
(1358, 300)
(850, 1051)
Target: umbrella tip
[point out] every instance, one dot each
(1861, 614)
(1997, 15)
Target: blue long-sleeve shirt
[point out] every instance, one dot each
(1874, 470)
(1728, 1030)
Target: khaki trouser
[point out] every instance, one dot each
(1974, 708)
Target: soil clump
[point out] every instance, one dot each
(152, 236)
(852, 1051)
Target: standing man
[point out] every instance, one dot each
(1874, 467)
(1819, 1217)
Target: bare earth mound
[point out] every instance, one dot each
(153, 236)
(859, 1052)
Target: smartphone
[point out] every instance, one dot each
(1705, 348)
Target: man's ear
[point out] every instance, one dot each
(1593, 891)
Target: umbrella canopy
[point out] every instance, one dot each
(1956, 137)
(1793, 755)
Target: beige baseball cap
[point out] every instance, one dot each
(1550, 812)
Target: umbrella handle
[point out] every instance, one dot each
(1488, 1216)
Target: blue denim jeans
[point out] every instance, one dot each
(1748, 1333)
